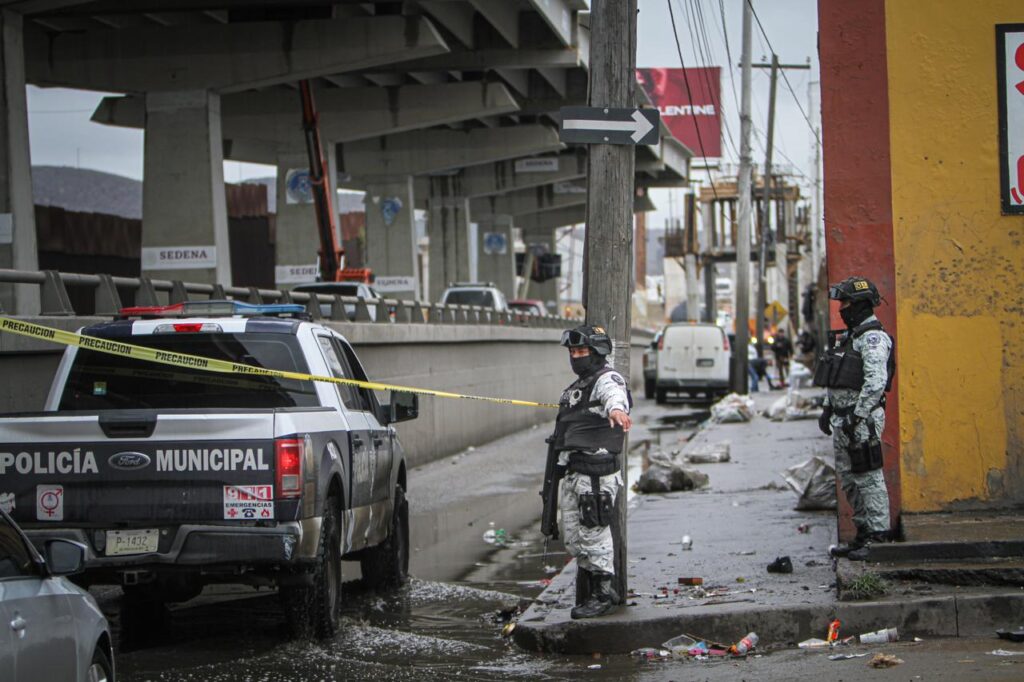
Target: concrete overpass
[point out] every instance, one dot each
(432, 104)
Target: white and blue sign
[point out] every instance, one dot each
(495, 243)
(297, 187)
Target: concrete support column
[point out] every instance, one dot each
(17, 213)
(184, 210)
(496, 258)
(787, 228)
(391, 247)
(448, 231)
(297, 239)
(545, 291)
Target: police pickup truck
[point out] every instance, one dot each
(172, 477)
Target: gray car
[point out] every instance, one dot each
(53, 630)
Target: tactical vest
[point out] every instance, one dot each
(577, 428)
(843, 367)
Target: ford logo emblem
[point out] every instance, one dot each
(127, 461)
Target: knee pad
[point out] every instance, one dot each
(596, 510)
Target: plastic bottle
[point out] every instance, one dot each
(500, 537)
(744, 645)
(687, 542)
(490, 535)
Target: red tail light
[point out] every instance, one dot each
(725, 342)
(289, 455)
(661, 342)
(189, 327)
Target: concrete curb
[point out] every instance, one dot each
(948, 616)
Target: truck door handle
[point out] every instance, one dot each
(378, 440)
(18, 624)
(357, 442)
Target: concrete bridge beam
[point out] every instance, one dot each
(184, 211)
(17, 213)
(534, 200)
(346, 114)
(235, 57)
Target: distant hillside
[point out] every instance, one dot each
(88, 191)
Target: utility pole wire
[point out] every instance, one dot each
(701, 28)
(689, 94)
(785, 78)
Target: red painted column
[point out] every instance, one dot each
(858, 186)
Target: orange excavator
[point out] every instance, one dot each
(332, 254)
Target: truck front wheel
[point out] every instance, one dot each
(387, 565)
(315, 610)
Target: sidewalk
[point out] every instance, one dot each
(740, 524)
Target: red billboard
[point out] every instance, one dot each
(684, 116)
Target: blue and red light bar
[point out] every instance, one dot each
(213, 309)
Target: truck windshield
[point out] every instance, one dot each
(483, 299)
(100, 381)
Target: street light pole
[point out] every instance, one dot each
(740, 378)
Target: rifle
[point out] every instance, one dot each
(553, 473)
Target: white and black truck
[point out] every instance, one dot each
(172, 477)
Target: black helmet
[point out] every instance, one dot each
(594, 338)
(855, 289)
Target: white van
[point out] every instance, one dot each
(693, 362)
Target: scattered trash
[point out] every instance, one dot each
(733, 408)
(507, 630)
(814, 482)
(833, 631)
(741, 579)
(701, 649)
(1004, 652)
(790, 407)
(844, 657)
(880, 636)
(680, 644)
(713, 453)
(803, 528)
(812, 643)
(495, 536)
(687, 542)
(1011, 635)
(691, 581)
(746, 552)
(782, 564)
(667, 473)
(884, 661)
(550, 569)
(650, 654)
(741, 647)
(596, 666)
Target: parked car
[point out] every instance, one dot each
(483, 294)
(693, 362)
(530, 306)
(56, 630)
(172, 478)
(356, 289)
(651, 366)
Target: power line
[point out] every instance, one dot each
(689, 94)
(785, 78)
(702, 31)
(704, 58)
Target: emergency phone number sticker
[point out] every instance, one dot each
(248, 502)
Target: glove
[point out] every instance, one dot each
(824, 422)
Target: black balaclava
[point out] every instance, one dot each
(587, 364)
(856, 313)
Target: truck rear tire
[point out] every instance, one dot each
(661, 396)
(315, 610)
(387, 565)
(648, 388)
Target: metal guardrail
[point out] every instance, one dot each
(54, 300)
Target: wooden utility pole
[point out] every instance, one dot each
(764, 217)
(609, 232)
(740, 377)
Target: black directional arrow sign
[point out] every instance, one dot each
(597, 125)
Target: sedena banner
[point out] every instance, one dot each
(684, 117)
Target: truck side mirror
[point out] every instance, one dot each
(404, 406)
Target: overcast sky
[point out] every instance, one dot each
(62, 135)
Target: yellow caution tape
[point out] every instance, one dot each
(127, 350)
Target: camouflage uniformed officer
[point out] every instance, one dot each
(593, 417)
(857, 370)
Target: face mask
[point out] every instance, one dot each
(856, 313)
(586, 364)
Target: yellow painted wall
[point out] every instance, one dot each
(959, 263)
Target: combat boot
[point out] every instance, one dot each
(840, 551)
(861, 554)
(603, 599)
